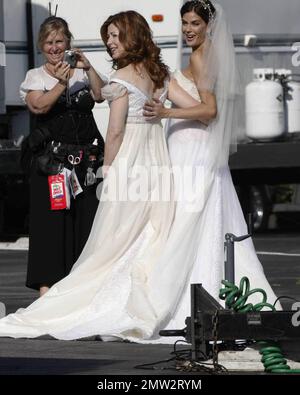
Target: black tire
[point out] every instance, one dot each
(260, 207)
(255, 200)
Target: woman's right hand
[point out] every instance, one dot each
(62, 72)
(155, 109)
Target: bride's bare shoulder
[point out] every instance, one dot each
(125, 73)
(196, 60)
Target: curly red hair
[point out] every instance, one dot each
(136, 38)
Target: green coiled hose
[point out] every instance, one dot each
(236, 299)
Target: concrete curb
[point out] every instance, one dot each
(21, 244)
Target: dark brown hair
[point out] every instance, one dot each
(201, 8)
(52, 24)
(136, 37)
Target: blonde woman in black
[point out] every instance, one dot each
(61, 97)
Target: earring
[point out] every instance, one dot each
(209, 34)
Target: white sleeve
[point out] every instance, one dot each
(32, 82)
(113, 91)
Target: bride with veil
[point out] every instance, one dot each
(199, 152)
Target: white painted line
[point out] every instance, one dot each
(247, 360)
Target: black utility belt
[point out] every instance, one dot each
(63, 150)
(57, 155)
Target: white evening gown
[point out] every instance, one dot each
(195, 249)
(106, 292)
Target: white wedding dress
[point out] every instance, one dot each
(195, 248)
(106, 292)
(133, 277)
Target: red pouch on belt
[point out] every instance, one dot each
(57, 192)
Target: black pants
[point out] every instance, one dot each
(56, 237)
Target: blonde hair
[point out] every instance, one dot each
(54, 24)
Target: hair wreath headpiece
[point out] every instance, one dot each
(206, 6)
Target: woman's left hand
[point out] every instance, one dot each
(154, 109)
(82, 60)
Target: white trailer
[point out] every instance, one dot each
(21, 19)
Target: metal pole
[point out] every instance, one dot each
(229, 263)
(29, 33)
(2, 310)
(179, 41)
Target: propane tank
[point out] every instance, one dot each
(264, 106)
(293, 106)
(291, 98)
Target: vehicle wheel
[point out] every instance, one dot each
(260, 207)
